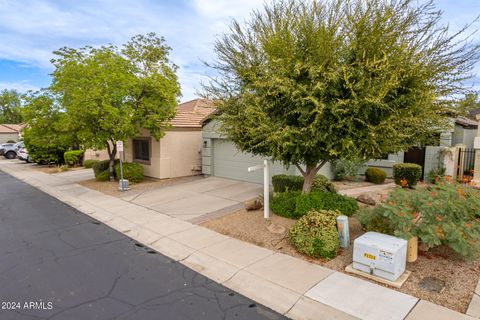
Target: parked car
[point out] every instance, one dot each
(11, 151)
(22, 154)
(3, 146)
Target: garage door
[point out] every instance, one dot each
(230, 163)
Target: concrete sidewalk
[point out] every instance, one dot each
(291, 286)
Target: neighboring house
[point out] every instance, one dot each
(11, 132)
(465, 131)
(221, 158)
(178, 152)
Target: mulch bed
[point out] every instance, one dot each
(460, 277)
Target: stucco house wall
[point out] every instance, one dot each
(5, 137)
(176, 154)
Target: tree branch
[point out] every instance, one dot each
(300, 168)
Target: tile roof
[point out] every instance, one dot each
(466, 122)
(190, 114)
(11, 128)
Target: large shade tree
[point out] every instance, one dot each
(309, 82)
(110, 93)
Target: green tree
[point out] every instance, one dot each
(309, 82)
(10, 106)
(110, 93)
(46, 135)
(469, 103)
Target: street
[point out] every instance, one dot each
(57, 263)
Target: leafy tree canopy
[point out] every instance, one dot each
(468, 103)
(46, 136)
(306, 82)
(110, 93)
(10, 106)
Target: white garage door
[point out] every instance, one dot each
(230, 163)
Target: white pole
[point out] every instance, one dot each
(266, 190)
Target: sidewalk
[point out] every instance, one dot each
(293, 287)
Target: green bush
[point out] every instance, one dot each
(294, 204)
(11, 141)
(283, 182)
(103, 176)
(322, 184)
(131, 171)
(89, 163)
(347, 169)
(373, 220)
(315, 234)
(100, 166)
(407, 174)
(436, 175)
(375, 175)
(73, 157)
(283, 204)
(442, 214)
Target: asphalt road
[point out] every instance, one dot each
(57, 263)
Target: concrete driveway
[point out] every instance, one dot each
(198, 200)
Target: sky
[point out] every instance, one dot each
(31, 30)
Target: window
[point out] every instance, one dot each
(141, 150)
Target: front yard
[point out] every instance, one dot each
(460, 277)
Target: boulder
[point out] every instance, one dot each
(369, 198)
(254, 204)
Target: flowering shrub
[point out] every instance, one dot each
(445, 213)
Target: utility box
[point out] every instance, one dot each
(380, 255)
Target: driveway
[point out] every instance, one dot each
(58, 263)
(198, 200)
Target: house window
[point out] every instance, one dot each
(141, 150)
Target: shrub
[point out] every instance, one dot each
(315, 234)
(11, 141)
(283, 182)
(103, 176)
(294, 204)
(442, 214)
(343, 169)
(322, 184)
(73, 157)
(100, 166)
(131, 171)
(373, 220)
(407, 173)
(375, 175)
(283, 204)
(435, 175)
(89, 163)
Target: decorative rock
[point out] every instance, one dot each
(254, 204)
(273, 228)
(432, 284)
(369, 198)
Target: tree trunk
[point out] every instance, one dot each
(112, 151)
(309, 175)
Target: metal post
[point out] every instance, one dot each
(266, 190)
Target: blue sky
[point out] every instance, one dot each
(30, 30)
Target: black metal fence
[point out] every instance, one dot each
(465, 165)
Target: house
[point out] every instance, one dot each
(178, 152)
(221, 158)
(11, 132)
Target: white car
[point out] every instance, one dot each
(22, 154)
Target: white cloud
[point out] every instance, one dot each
(23, 86)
